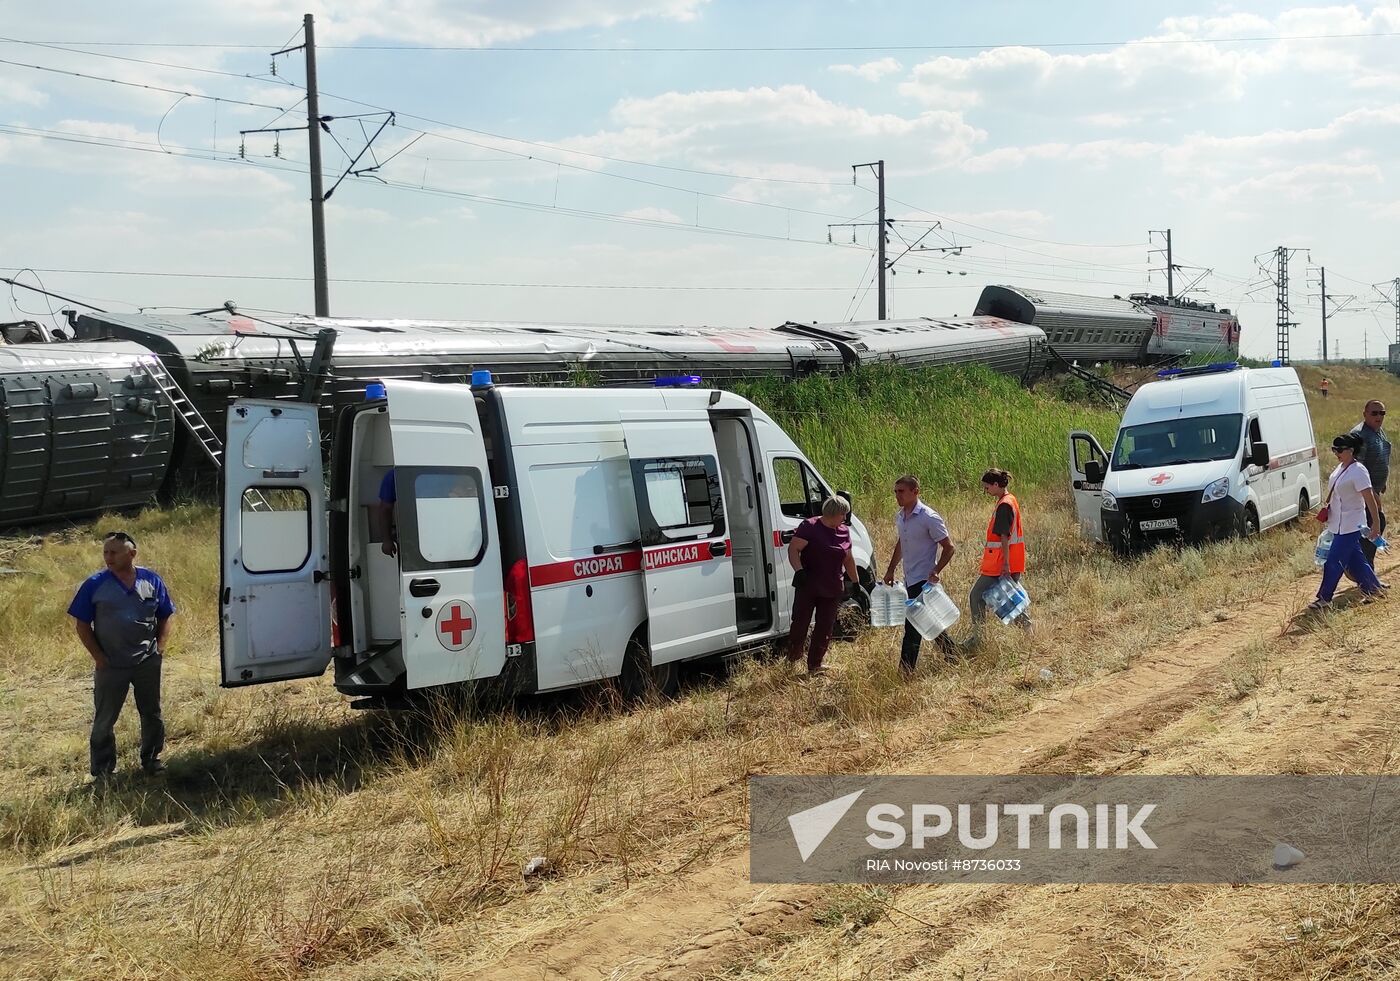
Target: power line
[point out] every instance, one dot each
(119, 143)
(249, 277)
(757, 49)
(256, 77)
(604, 173)
(141, 85)
(1023, 238)
(438, 122)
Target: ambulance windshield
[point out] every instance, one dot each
(1176, 441)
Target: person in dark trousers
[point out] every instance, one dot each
(820, 552)
(384, 507)
(1005, 551)
(122, 616)
(1375, 457)
(1351, 513)
(926, 549)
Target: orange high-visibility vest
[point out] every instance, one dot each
(991, 557)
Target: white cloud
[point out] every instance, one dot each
(1111, 120)
(871, 71)
(654, 214)
(1149, 77)
(13, 92)
(1305, 182)
(133, 154)
(1093, 154)
(788, 131)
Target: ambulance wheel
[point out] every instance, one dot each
(1249, 522)
(1303, 506)
(639, 679)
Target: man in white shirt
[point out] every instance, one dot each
(926, 550)
(1351, 511)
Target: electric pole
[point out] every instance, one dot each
(879, 168)
(1324, 314)
(883, 227)
(1281, 256)
(1395, 286)
(318, 197)
(1166, 234)
(1282, 319)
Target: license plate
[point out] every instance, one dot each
(1158, 524)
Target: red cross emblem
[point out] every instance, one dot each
(1160, 479)
(456, 625)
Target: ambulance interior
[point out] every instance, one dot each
(375, 591)
(748, 543)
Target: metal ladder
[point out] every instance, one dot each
(185, 411)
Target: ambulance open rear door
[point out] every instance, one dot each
(275, 598)
(450, 580)
(687, 570)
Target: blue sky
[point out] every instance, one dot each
(709, 178)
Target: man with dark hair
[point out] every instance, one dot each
(122, 616)
(925, 548)
(1375, 457)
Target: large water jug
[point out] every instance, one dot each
(931, 612)
(1324, 545)
(887, 605)
(1007, 599)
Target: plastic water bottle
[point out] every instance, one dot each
(1380, 544)
(931, 612)
(1007, 599)
(887, 605)
(1324, 545)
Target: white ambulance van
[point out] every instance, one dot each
(1203, 453)
(546, 538)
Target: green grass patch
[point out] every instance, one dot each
(946, 425)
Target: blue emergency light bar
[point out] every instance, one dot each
(676, 381)
(1217, 368)
(480, 378)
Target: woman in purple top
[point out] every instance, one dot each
(820, 553)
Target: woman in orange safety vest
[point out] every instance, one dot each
(1005, 550)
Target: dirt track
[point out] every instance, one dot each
(1249, 693)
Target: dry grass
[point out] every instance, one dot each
(294, 838)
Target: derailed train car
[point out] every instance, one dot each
(1187, 327)
(1011, 348)
(82, 428)
(1083, 328)
(217, 359)
(1141, 328)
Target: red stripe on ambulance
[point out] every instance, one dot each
(596, 567)
(602, 566)
(668, 556)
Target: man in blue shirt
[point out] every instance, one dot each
(925, 548)
(122, 616)
(1375, 457)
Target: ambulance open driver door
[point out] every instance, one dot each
(275, 598)
(450, 583)
(687, 570)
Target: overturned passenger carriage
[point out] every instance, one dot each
(82, 428)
